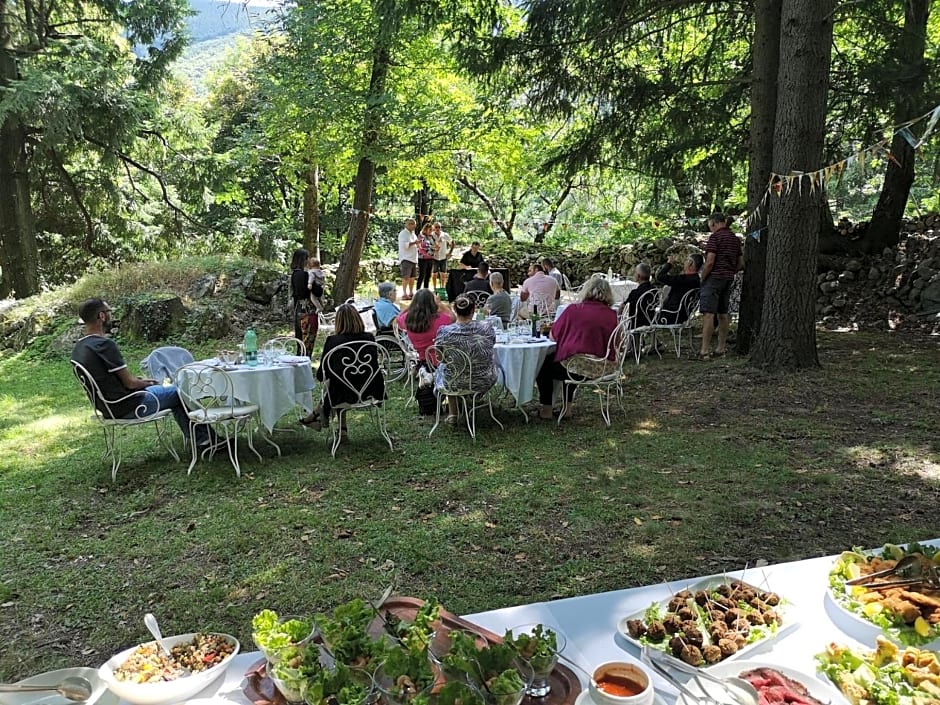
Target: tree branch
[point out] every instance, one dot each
(72, 188)
(128, 160)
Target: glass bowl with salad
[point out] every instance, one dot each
(279, 637)
(539, 645)
(500, 675)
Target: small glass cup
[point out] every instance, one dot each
(439, 648)
(528, 638)
(402, 690)
(304, 629)
(494, 694)
(357, 686)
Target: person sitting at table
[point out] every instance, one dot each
(540, 290)
(424, 317)
(100, 355)
(679, 285)
(385, 308)
(475, 338)
(480, 281)
(471, 258)
(583, 328)
(500, 303)
(548, 266)
(348, 329)
(641, 317)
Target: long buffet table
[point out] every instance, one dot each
(590, 622)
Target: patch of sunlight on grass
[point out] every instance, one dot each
(475, 517)
(901, 461)
(928, 470)
(641, 550)
(865, 454)
(646, 427)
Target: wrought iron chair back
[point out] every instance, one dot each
(106, 414)
(477, 297)
(354, 374)
(288, 342)
(456, 380)
(603, 374)
(208, 396)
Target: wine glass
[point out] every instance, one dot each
(539, 645)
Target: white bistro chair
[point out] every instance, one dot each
(640, 327)
(603, 374)
(688, 308)
(478, 298)
(288, 343)
(458, 382)
(208, 397)
(111, 424)
(354, 375)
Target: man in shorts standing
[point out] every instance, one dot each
(445, 246)
(408, 258)
(723, 259)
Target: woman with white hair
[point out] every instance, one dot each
(385, 308)
(582, 329)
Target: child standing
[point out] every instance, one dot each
(315, 275)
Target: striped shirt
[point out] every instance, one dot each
(727, 249)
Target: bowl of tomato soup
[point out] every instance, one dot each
(619, 683)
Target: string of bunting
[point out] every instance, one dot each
(493, 222)
(783, 184)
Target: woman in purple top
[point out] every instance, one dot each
(583, 328)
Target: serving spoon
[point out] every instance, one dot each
(74, 688)
(151, 623)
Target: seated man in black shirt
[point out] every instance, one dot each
(642, 316)
(471, 258)
(679, 285)
(480, 281)
(99, 354)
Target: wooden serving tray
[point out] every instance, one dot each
(566, 687)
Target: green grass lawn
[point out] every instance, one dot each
(712, 466)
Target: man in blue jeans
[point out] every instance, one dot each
(99, 354)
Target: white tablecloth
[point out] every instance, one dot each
(622, 288)
(590, 623)
(275, 389)
(519, 364)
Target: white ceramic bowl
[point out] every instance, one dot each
(98, 688)
(168, 691)
(621, 674)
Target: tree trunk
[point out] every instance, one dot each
(885, 226)
(787, 336)
(19, 254)
(694, 207)
(421, 200)
(765, 58)
(348, 269)
(312, 211)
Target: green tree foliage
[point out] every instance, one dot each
(78, 86)
(659, 88)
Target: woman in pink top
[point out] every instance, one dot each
(423, 318)
(583, 328)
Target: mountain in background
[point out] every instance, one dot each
(214, 30)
